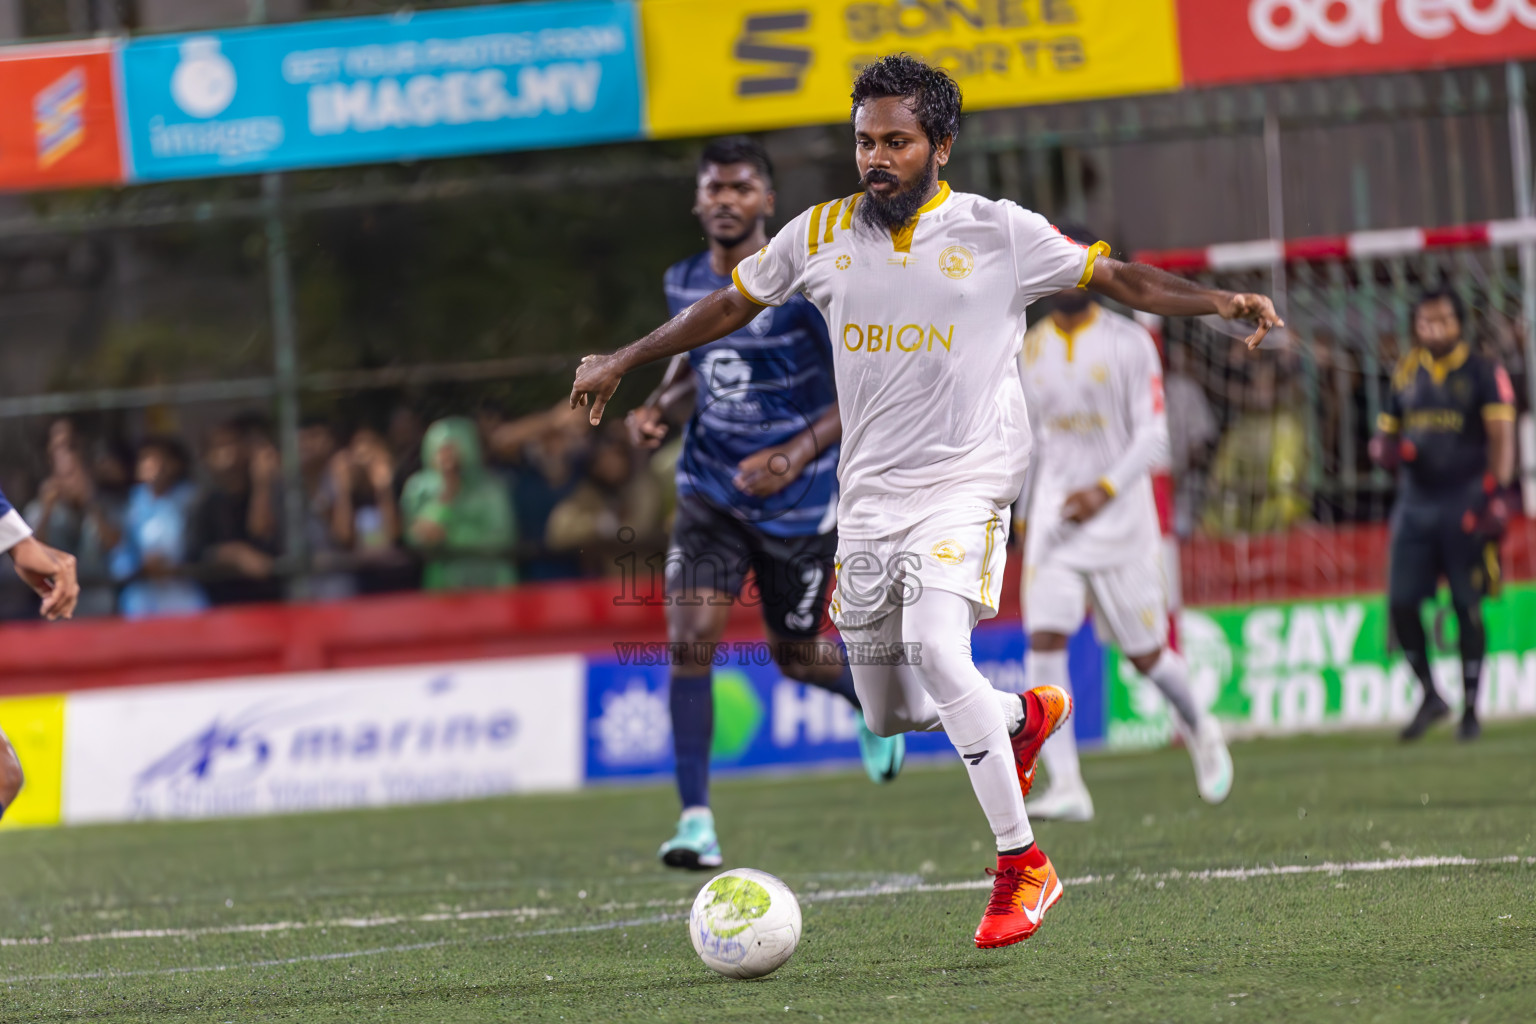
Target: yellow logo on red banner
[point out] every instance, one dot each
(35, 726)
(733, 65)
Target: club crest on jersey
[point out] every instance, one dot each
(949, 552)
(761, 324)
(844, 262)
(1099, 373)
(956, 262)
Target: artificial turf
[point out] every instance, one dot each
(555, 908)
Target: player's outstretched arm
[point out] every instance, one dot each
(711, 318)
(1156, 291)
(51, 573)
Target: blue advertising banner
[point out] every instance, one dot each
(401, 87)
(764, 720)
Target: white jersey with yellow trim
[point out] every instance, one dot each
(1096, 395)
(925, 324)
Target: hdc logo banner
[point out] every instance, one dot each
(361, 90)
(763, 720)
(58, 116)
(1249, 40)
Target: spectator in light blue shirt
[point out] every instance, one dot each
(153, 550)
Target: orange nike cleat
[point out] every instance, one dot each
(1024, 887)
(1045, 708)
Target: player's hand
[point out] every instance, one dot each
(1083, 505)
(647, 428)
(769, 471)
(597, 378)
(1390, 451)
(1492, 521)
(1384, 451)
(1252, 307)
(51, 573)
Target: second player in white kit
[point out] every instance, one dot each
(1095, 390)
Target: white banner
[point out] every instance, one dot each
(353, 738)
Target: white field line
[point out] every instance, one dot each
(525, 913)
(283, 926)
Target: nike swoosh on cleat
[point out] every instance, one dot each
(1038, 912)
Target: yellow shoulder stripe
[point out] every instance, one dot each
(1095, 250)
(848, 212)
(831, 221)
(815, 233)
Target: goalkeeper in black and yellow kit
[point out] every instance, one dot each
(1448, 429)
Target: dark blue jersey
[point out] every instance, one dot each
(1442, 405)
(757, 388)
(5, 506)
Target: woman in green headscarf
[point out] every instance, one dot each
(457, 514)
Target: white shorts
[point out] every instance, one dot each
(960, 551)
(1130, 602)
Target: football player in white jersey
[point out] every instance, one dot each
(1094, 387)
(924, 291)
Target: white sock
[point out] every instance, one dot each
(1049, 668)
(968, 707)
(1171, 675)
(974, 724)
(1013, 711)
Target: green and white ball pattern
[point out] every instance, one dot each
(745, 923)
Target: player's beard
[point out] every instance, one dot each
(895, 210)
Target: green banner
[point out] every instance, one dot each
(1303, 666)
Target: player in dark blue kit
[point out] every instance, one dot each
(52, 574)
(1449, 430)
(757, 486)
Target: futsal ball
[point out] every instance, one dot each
(745, 923)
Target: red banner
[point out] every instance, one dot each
(58, 117)
(1249, 40)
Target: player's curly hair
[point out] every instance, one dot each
(935, 96)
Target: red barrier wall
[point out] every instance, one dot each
(586, 616)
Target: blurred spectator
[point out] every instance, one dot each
(404, 435)
(547, 452)
(154, 548)
(1343, 432)
(457, 514)
(363, 517)
(235, 525)
(1260, 467)
(1192, 435)
(329, 578)
(81, 511)
(614, 494)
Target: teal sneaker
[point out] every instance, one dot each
(883, 755)
(695, 846)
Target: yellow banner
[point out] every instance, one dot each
(35, 726)
(736, 65)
